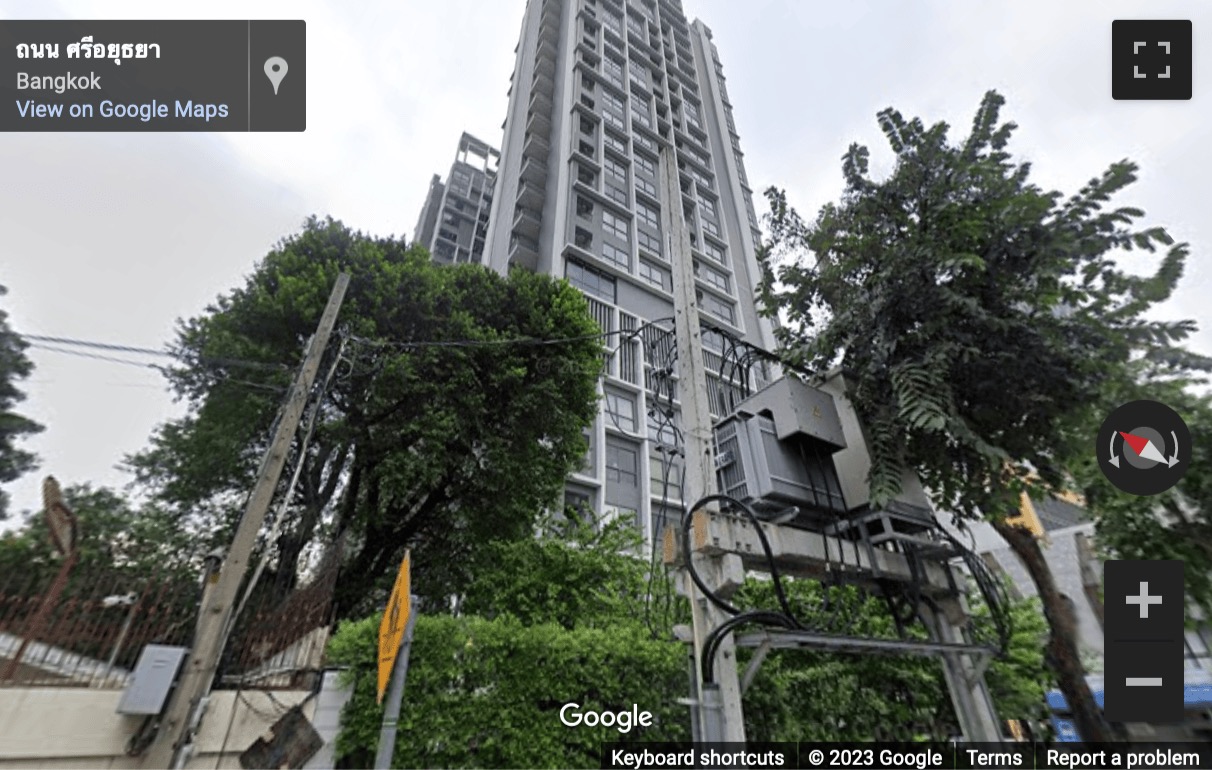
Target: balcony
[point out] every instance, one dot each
(534, 170)
(540, 103)
(543, 81)
(530, 196)
(539, 123)
(526, 223)
(545, 58)
(535, 146)
(523, 252)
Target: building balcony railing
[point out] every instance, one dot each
(523, 252)
(534, 170)
(530, 196)
(540, 103)
(535, 145)
(526, 223)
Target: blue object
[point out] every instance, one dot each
(1197, 694)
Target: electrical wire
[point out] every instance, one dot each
(34, 339)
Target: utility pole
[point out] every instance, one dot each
(188, 702)
(719, 703)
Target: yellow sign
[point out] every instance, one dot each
(391, 629)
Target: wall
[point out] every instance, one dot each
(60, 727)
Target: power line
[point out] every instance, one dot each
(34, 339)
(111, 359)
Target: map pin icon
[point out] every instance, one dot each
(275, 70)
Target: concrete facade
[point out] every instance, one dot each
(454, 219)
(58, 727)
(599, 90)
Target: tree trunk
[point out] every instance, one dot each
(1061, 652)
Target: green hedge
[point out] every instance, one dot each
(488, 693)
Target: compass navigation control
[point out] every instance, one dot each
(1144, 447)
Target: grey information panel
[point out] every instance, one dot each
(153, 75)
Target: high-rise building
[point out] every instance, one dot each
(599, 89)
(454, 219)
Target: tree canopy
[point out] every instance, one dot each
(14, 367)
(446, 421)
(984, 325)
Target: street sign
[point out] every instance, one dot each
(391, 629)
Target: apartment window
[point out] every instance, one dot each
(620, 410)
(613, 70)
(620, 257)
(646, 187)
(616, 169)
(640, 113)
(715, 252)
(692, 110)
(649, 242)
(711, 276)
(645, 164)
(590, 281)
(711, 228)
(584, 206)
(717, 307)
(647, 215)
(612, 102)
(460, 181)
(643, 141)
(639, 74)
(654, 274)
(663, 428)
(615, 225)
(588, 127)
(614, 120)
(712, 340)
(616, 193)
(623, 466)
(615, 142)
(587, 149)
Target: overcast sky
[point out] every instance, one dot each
(113, 237)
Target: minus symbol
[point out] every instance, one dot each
(1144, 681)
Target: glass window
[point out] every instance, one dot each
(655, 275)
(614, 225)
(615, 193)
(711, 276)
(620, 410)
(646, 187)
(620, 257)
(616, 169)
(663, 428)
(715, 252)
(613, 70)
(650, 242)
(615, 142)
(717, 307)
(622, 466)
(612, 102)
(645, 164)
(647, 215)
(590, 281)
(666, 475)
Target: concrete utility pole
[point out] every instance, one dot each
(188, 702)
(719, 704)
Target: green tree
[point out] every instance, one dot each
(115, 538)
(978, 320)
(814, 695)
(437, 431)
(14, 367)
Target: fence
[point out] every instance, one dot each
(93, 635)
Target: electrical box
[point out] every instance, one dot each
(152, 681)
(757, 467)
